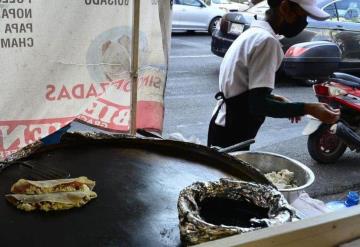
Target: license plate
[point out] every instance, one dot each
(236, 28)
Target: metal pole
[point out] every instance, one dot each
(134, 64)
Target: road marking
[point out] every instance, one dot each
(194, 56)
(189, 43)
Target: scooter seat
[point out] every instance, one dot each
(346, 82)
(346, 77)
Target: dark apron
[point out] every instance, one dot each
(240, 124)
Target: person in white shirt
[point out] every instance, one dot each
(247, 76)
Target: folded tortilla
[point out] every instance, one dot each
(51, 201)
(24, 186)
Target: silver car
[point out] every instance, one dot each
(195, 15)
(227, 5)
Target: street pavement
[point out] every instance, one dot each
(189, 102)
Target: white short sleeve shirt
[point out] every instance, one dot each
(251, 62)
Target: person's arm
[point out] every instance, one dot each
(261, 102)
(264, 60)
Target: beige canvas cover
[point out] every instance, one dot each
(71, 59)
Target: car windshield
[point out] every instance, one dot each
(221, 1)
(259, 8)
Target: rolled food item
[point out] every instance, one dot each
(51, 201)
(28, 187)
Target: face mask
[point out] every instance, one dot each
(292, 29)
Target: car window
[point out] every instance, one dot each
(344, 10)
(259, 8)
(242, 1)
(221, 1)
(190, 3)
(331, 10)
(348, 10)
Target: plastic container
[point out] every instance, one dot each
(352, 199)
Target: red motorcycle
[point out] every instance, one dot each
(317, 61)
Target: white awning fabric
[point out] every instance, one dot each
(72, 59)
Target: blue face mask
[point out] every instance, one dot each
(292, 29)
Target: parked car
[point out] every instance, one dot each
(248, 2)
(342, 28)
(242, 1)
(227, 5)
(195, 15)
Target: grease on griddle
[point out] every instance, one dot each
(224, 211)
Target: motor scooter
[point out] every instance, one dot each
(318, 61)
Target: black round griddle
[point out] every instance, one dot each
(137, 181)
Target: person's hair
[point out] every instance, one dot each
(274, 8)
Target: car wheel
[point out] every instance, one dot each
(213, 24)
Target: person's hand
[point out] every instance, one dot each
(323, 112)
